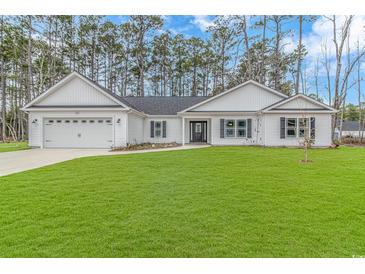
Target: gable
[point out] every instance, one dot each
(299, 103)
(76, 92)
(247, 97)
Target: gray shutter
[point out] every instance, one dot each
(152, 129)
(222, 128)
(282, 127)
(163, 129)
(313, 128)
(249, 128)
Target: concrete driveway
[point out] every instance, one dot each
(17, 161)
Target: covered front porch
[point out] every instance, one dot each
(196, 130)
(222, 128)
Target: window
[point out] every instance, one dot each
(91, 121)
(100, 121)
(158, 129)
(241, 128)
(67, 121)
(59, 121)
(83, 121)
(291, 127)
(235, 128)
(108, 121)
(75, 121)
(50, 121)
(229, 128)
(303, 127)
(297, 127)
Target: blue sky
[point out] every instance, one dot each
(196, 25)
(180, 24)
(315, 35)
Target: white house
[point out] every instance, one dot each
(79, 113)
(351, 129)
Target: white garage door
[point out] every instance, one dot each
(78, 133)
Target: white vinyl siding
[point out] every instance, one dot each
(246, 98)
(300, 103)
(35, 127)
(173, 129)
(236, 106)
(354, 133)
(135, 129)
(271, 124)
(76, 92)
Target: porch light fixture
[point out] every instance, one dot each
(34, 121)
(118, 121)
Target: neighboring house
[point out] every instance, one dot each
(351, 128)
(78, 113)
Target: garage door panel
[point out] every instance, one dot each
(78, 133)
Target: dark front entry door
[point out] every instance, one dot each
(198, 131)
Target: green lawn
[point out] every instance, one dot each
(13, 146)
(210, 202)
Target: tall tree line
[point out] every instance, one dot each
(139, 58)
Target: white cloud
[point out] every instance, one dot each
(202, 22)
(289, 44)
(181, 30)
(322, 33)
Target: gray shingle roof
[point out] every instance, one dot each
(351, 126)
(156, 105)
(162, 105)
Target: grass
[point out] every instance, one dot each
(13, 146)
(210, 202)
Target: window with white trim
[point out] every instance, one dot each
(291, 127)
(235, 128)
(229, 128)
(303, 127)
(158, 128)
(297, 127)
(241, 128)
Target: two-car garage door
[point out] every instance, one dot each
(78, 132)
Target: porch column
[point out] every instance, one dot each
(183, 131)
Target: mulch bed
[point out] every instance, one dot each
(145, 146)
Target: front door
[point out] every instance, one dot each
(198, 131)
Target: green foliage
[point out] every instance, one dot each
(211, 202)
(138, 57)
(13, 146)
(351, 112)
(128, 56)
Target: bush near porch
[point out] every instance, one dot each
(132, 147)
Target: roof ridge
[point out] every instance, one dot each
(165, 96)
